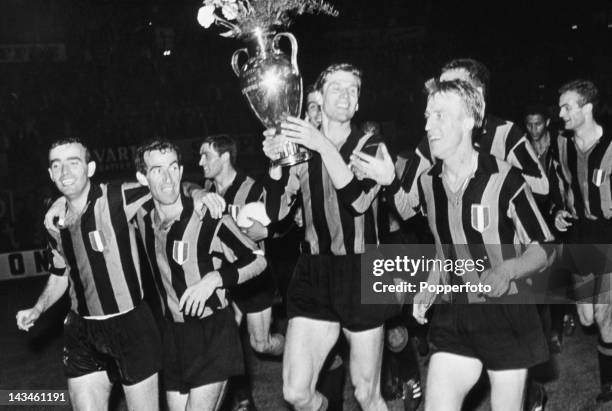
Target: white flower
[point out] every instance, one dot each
(230, 11)
(206, 16)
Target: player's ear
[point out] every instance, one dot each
(142, 179)
(469, 123)
(91, 168)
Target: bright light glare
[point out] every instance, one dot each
(270, 80)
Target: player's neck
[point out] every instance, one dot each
(166, 214)
(461, 162)
(459, 168)
(587, 133)
(77, 204)
(335, 131)
(225, 179)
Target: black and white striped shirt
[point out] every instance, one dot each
(336, 221)
(100, 251)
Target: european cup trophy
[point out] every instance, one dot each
(272, 85)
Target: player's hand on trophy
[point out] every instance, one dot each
(194, 298)
(421, 303)
(273, 143)
(498, 278)
(304, 133)
(27, 318)
(56, 215)
(379, 168)
(212, 201)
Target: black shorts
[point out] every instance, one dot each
(255, 295)
(200, 352)
(501, 336)
(593, 289)
(588, 247)
(328, 288)
(127, 347)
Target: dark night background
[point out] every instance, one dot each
(115, 88)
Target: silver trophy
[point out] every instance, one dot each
(272, 85)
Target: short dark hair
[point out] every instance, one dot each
(70, 140)
(322, 79)
(222, 143)
(537, 108)
(155, 144)
(585, 88)
(478, 72)
(309, 89)
(472, 99)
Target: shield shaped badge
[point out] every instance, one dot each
(97, 240)
(598, 177)
(481, 217)
(180, 252)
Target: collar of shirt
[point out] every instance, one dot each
(214, 188)
(95, 192)
(486, 165)
(186, 213)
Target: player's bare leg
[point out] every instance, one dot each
(307, 345)
(90, 392)
(260, 337)
(449, 379)
(507, 389)
(143, 395)
(365, 362)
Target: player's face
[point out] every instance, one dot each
(313, 108)
(570, 110)
(163, 175)
(69, 169)
(445, 116)
(340, 96)
(536, 126)
(210, 161)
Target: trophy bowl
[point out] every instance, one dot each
(272, 85)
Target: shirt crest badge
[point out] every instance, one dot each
(180, 252)
(97, 240)
(598, 177)
(481, 217)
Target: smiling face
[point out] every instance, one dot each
(163, 175)
(571, 110)
(69, 169)
(340, 96)
(446, 123)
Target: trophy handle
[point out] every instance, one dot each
(294, 48)
(235, 58)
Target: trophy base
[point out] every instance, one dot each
(292, 159)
